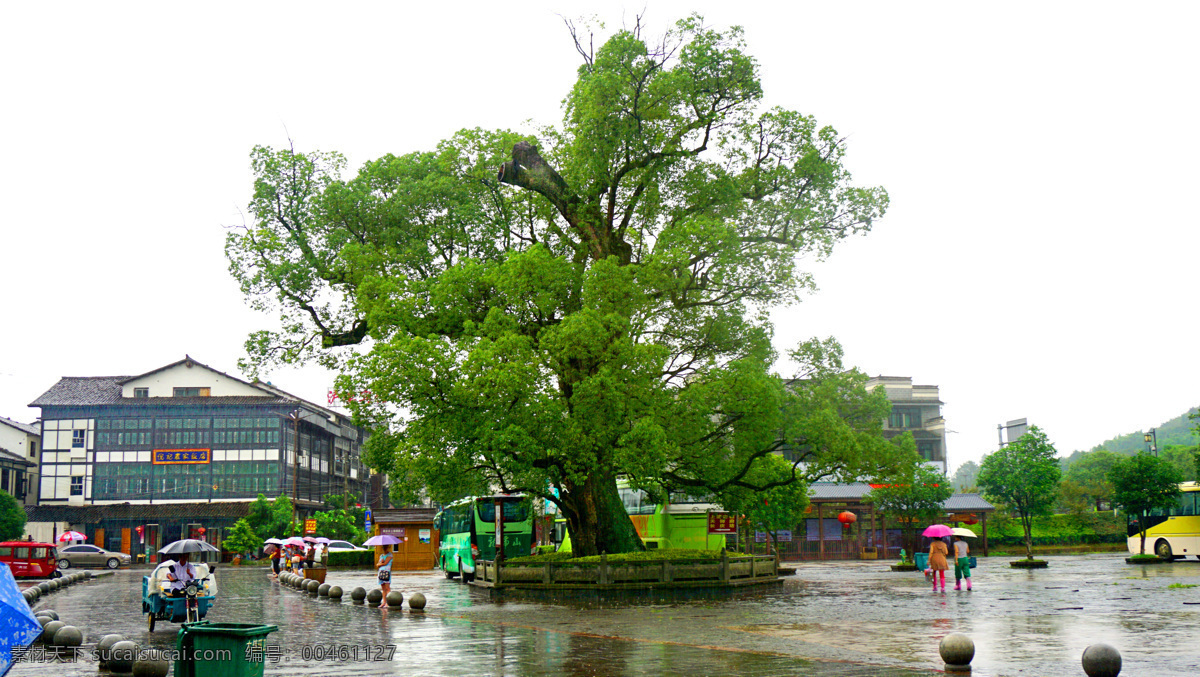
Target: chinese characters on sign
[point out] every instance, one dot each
(162, 456)
(722, 523)
(310, 526)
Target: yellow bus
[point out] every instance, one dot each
(1172, 533)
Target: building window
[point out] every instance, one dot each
(77, 438)
(141, 393)
(926, 450)
(905, 418)
(190, 392)
(77, 485)
(32, 449)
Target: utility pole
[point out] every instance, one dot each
(295, 418)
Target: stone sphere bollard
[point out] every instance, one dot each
(1102, 660)
(123, 656)
(54, 584)
(375, 597)
(50, 628)
(44, 620)
(357, 595)
(49, 612)
(957, 650)
(323, 590)
(104, 648)
(67, 635)
(416, 602)
(151, 663)
(313, 586)
(335, 593)
(395, 599)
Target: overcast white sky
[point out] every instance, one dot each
(1038, 259)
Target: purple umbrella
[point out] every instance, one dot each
(382, 539)
(322, 540)
(937, 531)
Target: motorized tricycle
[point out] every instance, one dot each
(187, 606)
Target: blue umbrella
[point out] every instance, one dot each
(18, 626)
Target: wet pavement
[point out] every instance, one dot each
(853, 618)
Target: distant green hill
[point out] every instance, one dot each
(1178, 431)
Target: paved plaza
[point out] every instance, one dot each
(853, 618)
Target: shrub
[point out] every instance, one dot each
(354, 558)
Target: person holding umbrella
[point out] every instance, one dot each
(962, 558)
(937, 553)
(383, 565)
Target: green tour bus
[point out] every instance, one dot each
(467, 532)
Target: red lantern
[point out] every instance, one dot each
(971, 520)
(140, 529)
(847, 518)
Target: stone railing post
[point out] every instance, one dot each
(725, 566)
(603, 573)
(548, 573)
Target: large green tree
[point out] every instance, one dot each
(1090, 472)
(1024, 476)
(241, 538)
(271, 519)
(913, 494)
(12, 518)
(1141, 484)
(545, 314)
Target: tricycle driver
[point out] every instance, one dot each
(180, 574)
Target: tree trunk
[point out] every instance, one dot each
(1027, 522)
(597, 519)
(1143, 533)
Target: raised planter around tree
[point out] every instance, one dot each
(1029, 564)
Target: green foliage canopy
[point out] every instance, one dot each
(1090, 473)
(271, 519)
(555, 312)
(1143, 483)
(241, 538)
(1024, 476)
(913, 494)
(12, 517)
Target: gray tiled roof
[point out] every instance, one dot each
(82, 390)
(959, 502)
(90, 514)
(27, 428)
(837, 490)
(834, 491)
(93, 390)
(401, 515)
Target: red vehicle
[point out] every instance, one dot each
(28, 559)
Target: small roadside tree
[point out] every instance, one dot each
(1023, 475)
(914, 495)
(1090, 473)
(271, 519)
(776, 509)
(12, 518)
(342, 519)
(241, 538)
(1143, 483)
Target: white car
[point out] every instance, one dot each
(343, 546)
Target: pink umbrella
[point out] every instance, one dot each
(295, 541)
(937, 531)
(72, 536)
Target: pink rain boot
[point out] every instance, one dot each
(943, 573)
(968, 584)
(958, 584)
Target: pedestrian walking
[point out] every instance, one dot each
(962, 562)
(384, 570)
(273, 551)
(937, 562)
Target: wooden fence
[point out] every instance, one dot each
(734, 570)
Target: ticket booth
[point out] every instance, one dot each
(418, 539)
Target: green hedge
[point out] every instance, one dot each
(356, 558)
(1064, 539)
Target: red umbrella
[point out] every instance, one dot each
(72, 536)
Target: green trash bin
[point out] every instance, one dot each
(207, 649)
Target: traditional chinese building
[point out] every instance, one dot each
(136, 462)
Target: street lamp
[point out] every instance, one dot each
(1152, 440)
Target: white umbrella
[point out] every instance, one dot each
(273, 541)
(965, 533)
(382, 539)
